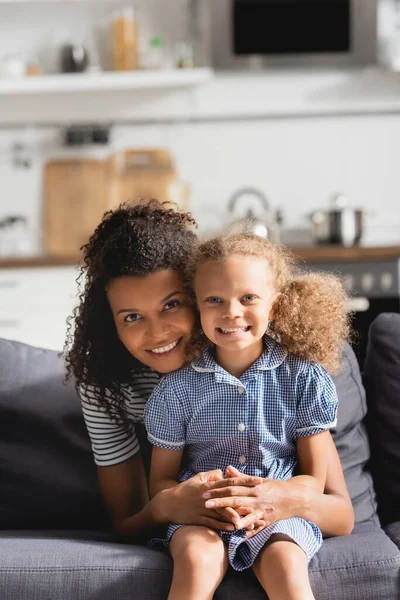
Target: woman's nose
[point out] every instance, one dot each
(157, 329)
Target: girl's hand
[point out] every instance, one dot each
(270, 499)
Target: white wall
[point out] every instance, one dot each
(297, 162)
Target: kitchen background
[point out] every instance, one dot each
(297, 135)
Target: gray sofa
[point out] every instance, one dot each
(55, 538)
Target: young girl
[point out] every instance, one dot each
(258, 398)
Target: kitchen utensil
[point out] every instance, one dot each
(14, 236)
(12, 66)
(341, 224)
(74, 58)
(75, 198)
(266, 224)
(137, 174)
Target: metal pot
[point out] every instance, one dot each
(266, 224)
(341, 225)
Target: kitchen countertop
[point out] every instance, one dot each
(311, 254)
(336, 253)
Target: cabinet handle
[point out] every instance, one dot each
(9, 323)
(9, 284)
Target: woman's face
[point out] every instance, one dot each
(153, 317)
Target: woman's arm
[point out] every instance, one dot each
(124, 491)
(274, 500)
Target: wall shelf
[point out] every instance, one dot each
(105, 81)
(196, 96)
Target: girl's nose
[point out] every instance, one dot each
(233, 310)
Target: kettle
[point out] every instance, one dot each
(266, 225)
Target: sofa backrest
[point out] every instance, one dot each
(382, 382)
(351, 437)
(47, 473)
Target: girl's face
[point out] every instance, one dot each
(153, 317)
(235, 299)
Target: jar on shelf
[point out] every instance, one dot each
(125, 40)
(184, 55)
(155, 57)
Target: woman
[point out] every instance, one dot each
(133, 323)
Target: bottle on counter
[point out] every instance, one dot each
(125, 40)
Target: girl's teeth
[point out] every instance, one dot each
(165, 348)
(233, 330)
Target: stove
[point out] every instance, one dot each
(374, 287)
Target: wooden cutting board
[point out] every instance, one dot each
(75, 194)
(136, 174)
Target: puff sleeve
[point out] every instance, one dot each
(164, 417)
(317, 401)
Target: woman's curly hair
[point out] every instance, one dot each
(311, 317)
(134, 239)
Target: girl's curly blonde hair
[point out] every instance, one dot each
(311, 317)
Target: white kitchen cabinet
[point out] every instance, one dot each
(35, 304)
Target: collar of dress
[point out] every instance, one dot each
(272, 357)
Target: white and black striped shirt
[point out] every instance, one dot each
(113, 443)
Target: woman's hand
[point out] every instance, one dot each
(271, 499)
(184, 503)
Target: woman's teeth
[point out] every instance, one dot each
(165, 348)
(222, 330)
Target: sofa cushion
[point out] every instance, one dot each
(382, 382)
(47, 474)
(76, 566)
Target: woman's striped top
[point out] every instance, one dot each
(112, 443)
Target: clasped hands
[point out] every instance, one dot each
(230, 498)
(226, 501)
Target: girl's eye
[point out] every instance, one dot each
(249, 298)
(213, 300)
(172, 304)
(132, 318)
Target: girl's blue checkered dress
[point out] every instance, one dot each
(251, 423)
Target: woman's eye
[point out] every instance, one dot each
(172, 304)
(213, 300)
(132, 318)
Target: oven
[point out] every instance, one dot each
(374, 287)
(254, 34)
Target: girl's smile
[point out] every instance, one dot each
(235, 332)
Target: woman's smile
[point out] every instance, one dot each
(153, 317)
(165, 349)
